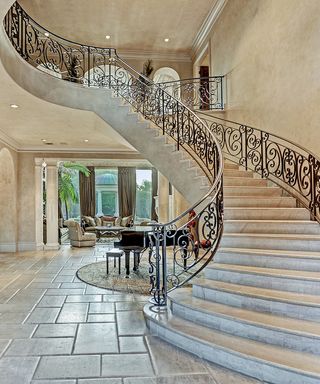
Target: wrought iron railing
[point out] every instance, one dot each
(202, 93)
(102, 67)
(287, 164)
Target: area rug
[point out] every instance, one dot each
(95, 274)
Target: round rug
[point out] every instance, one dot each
(95, 274)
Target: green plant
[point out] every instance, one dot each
(67, 191)
(147, 68)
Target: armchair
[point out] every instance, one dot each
(79, 238)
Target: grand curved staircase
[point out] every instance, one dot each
(256, 309)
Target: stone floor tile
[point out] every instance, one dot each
(60, 367)
(132, 344)
(84, 298)
(131, 323)
(37, 347)
(63, 279)
(169, 360)
(101, 318)
(3, 345)
(73, 285)
(130, 306)
(124, 365)
(43, 285)
(53, 382)
(68, 272)
(101, 308)
(96, 338)
(56, 330)
(100, 381)
(225, 376)
(65, 291)
(180, 379)
(73, 313)
(13, 318)
(91, 290)
(16, 331)
(18, 370)
(51, 301)
(117, 297)
(43, 315)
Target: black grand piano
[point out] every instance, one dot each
(136, 239)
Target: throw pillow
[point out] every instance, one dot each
(126, 221)
(98, 221)
(117, 222)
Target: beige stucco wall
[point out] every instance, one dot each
(270, 53)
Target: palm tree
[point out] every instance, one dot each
(67, 190)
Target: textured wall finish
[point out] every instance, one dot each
(270, 52)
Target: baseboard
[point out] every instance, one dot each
(51, 246)
(8, 247)
(26, 246)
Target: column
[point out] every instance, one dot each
(163, 195)
(39, 203)
(52, 205)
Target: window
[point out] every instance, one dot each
(107, 202)
(143, 194)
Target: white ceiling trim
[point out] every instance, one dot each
(161, 56)
(54, 149)
(207, 25)
(8, 141)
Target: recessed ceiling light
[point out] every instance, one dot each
(44, 140)
(14, 106)
(86, 140)
(166, 40)
(47, 34)
(108, 37)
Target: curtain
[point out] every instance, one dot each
(87, 189)
(127, 190)
(154, 215)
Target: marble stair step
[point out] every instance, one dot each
(300, 335)
(270, 278)
(270, 258)
(244, 181)
(237, 173)
(244, 191)
(272, 226)
(265, 362)
(290, 242)
(291, 304)
(228, 165)
(266, 213)
(259, 201)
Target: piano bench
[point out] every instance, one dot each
(116, 253)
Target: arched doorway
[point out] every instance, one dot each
(168, 76)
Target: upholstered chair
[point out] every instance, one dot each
(78, 238)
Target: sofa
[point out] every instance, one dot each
(78, 237)
(90, 223)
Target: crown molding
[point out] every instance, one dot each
(53, 149)
(161, 56)
(207, 25)
(8, 141)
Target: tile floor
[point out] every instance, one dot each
(54, 329)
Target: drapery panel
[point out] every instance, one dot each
(87, 189)
(127, 190)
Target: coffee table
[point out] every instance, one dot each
(108, 231)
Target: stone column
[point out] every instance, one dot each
(52, 205)
(38, 182)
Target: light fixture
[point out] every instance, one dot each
(44, 140)
(108, 37)
(47, 34)
(166, 40)
(44, 164)
(14, 106)
(85, 140)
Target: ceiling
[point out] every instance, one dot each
(132, 24)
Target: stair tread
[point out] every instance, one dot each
(284, 273)
(301, 327)
(268, 221)
(275, 235)
(273, 252)
(262, 293)
(284, 358)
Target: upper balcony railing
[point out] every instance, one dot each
(102, 67)
(203, 93)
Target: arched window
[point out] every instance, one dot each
(169, 76)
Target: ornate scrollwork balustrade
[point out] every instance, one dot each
(90, 66)
(289, 165)
(203, 93)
